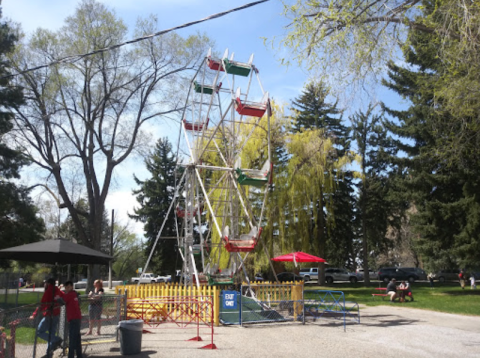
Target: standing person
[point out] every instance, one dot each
(473, 285)
(430, 278)
(74, 318)
(461, 278)
(95, 307)
(392, 290)
(47, 327)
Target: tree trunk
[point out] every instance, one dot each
(321, 241)
(366, 277)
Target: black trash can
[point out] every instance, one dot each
(130, 336)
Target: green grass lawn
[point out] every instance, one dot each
(24, 335)
(445, 297)
(24, 298)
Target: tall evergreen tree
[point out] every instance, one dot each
(377, 212)
(18, 221)
(312, 111)
(154, 196)
(444, 193)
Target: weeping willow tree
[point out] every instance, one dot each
(299, 211)
(250, 145)
(305, 192)
(254, 155)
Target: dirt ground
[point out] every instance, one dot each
(384, 331)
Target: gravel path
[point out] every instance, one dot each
(385, 331)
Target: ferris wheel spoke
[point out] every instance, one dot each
(224, 205)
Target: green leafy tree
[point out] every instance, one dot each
(349, 42)
(90, 113)
(308, 185)
(18, 221)
(155, 196)
(128, 253)
(442, 192)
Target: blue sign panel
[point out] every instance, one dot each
(230, 299)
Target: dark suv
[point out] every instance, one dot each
(387, 273)
(422, 275)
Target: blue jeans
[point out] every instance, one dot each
(48, 327)
(74, 339)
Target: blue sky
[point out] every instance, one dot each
(241, 32)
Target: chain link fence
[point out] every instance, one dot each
(18, 333)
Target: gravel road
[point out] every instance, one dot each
(384, 332)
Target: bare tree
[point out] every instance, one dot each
(87, 116)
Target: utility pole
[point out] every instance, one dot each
(110, 286)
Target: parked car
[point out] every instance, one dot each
(258, 277)
(385, 274)
(309, 273)
(422, 275)
(288, 276)
(147, 278)
(446, 275)
(339, 274)
(166, 278)
(373, 275)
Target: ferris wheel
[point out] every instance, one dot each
(222, 184)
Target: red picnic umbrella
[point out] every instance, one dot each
(298, 257)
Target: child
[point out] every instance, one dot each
(96, 307)
(50, 309)
(74, 317)
(472, 283)
(430, 278)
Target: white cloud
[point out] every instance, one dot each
(123, 202)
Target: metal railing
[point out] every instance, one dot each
(18, 333)
(330, 304)
(262, 303)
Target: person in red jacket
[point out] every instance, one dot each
(74, 318)
(50, 308)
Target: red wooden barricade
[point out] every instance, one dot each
(3, 341)
(182, 311)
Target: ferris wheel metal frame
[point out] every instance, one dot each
(214, 190)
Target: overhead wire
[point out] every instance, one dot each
(75, 58)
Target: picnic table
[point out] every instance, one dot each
(400, 292)
(382, 295)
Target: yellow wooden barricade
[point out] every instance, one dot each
(173, 290)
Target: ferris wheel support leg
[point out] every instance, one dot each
(161, 228)
(270, 261)
(202, 240)
(246, 275)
